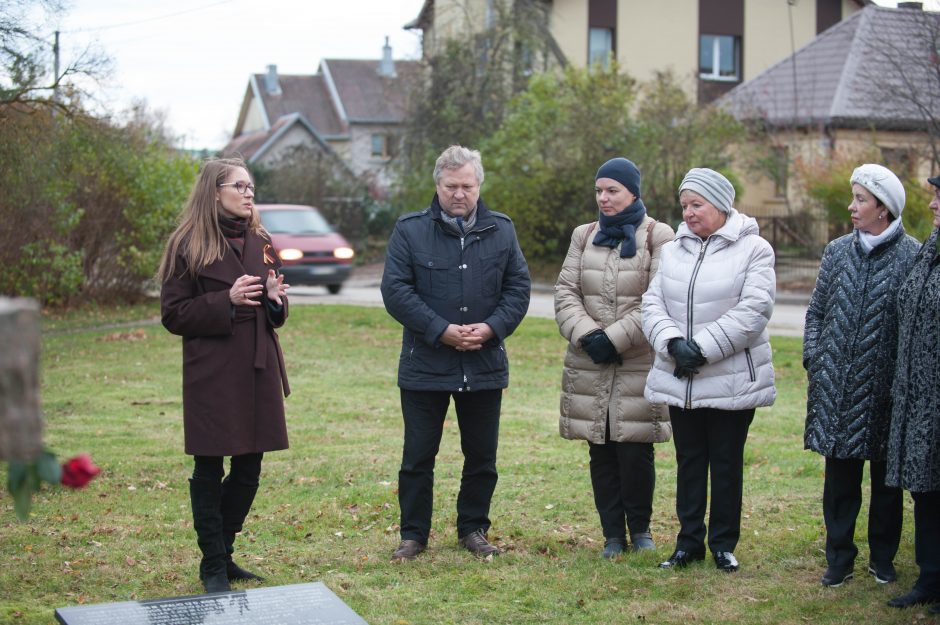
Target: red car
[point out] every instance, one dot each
(312, 252)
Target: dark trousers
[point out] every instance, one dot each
(478, 420)
(927, 540)
(842, 499)
(709, 440)
(245, 469)
(623, 477)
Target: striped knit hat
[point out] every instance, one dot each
(710, 185)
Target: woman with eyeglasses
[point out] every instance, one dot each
(849, 345)
(221, 290)
(706, 314)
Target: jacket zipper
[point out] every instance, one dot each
(466, 382)
(750, 364)
(689, 324)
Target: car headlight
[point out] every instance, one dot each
(291, 253)
(344, 253)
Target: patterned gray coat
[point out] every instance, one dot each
(849, 346)
(914, 443)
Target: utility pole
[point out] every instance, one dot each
(55, 68)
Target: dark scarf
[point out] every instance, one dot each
(621, 227)
(234, 230)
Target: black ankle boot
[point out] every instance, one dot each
(206, 498)
(236, 503)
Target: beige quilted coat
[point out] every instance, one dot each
(598, 289)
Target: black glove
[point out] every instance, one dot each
(688, 356)
(598, 346)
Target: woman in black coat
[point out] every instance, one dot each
(221, 291)
(914, 441)
(848, 351)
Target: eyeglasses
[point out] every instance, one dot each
(241, 187)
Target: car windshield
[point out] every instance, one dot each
(294, 222)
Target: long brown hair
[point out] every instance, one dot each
(198, 232)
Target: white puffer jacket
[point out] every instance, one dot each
(720, 293)
(597, 289)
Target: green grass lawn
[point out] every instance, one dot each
(327, 509)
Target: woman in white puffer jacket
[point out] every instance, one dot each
(706, 315)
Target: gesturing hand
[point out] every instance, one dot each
(276, 287)
(246, 291)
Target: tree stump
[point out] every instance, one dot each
(20, 417)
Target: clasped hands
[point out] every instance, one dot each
(467, 338)
(599, 347)
(247, 289)
(688, 356)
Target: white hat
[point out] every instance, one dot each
(883, 184)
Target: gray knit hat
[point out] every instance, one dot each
(883, 184)
(710, 185)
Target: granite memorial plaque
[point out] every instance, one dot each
(298, 604)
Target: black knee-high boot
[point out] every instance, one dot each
(236, 503)
(206, 498)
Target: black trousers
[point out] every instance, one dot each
(709, 440)
(927, 540)
(245, 470)
(842, 500)
(623, 477)
(478, 420)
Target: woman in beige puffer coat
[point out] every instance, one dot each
(597, 306)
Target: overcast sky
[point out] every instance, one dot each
(191, 58)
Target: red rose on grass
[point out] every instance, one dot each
(78, 471)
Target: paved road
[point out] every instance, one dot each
(787, 319)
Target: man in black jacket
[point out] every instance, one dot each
(457, 281)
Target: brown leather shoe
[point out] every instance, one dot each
(476, 543)
(408, 550)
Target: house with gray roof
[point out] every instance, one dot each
(350, 112)
(869, 84)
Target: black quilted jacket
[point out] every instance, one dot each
(849, 346)
(914, 445)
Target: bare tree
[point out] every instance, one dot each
(31, 76)
(907, 80)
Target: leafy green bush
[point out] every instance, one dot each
(87, 204)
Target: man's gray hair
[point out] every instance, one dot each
(455, 157)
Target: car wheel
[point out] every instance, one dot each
(333, 288)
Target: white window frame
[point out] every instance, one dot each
(603, 61)
(715, 74)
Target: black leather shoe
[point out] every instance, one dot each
(726, 561)
(835, 576)
(883, 573)
(680, 558)
(915, 597)
(476, 543)
(934, 609)
(407, 550)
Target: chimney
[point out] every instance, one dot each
(387, 65)
(917, 6)
(271, 85)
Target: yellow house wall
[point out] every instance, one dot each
(809, 149)
(767, 32)
(651, 39)
(568, 23)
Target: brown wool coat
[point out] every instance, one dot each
(597, 289)
(234, 380)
